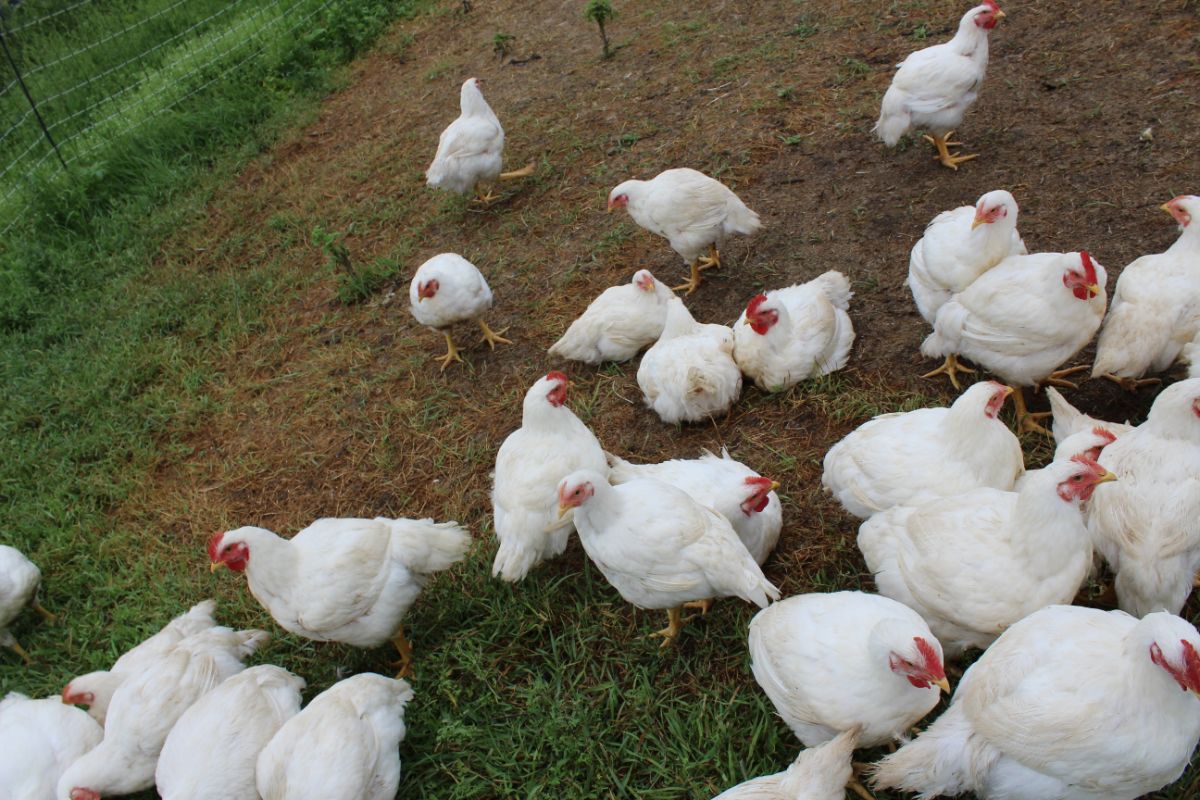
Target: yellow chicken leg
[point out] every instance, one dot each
(1027, 421)
(674, 626)
(404, 648)
(1057, 378)
(523, 172)
(1130, 384)
(16, 648)
(493, 337)
(950, 368)
(704, 605)
(713, 259)
(451, 352)
(943, 143)
(39, 608)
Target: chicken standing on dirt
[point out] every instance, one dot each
(550, 444)
(19, 581)
(343, 580)
(39, 739)
(818, 773)
(788, 335)
(618, 323)
(1156, 306)
(470, 151)
(689, 374)
(691, 210)
(659, 548)
(934, 87)
(1068, 704)
(448, 289)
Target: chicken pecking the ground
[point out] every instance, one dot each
(39, 739)
(618, 323)
(691, 211)
(1022, 319)
(934, 87)
(471, 150)
(973, 564)
(689, 374)
(1155, 310)
(788, 335)
(1068, 704)
(659, 548)
(818, 773)
(19, 582)
(550, 444)
(343, 580)
(910, 457)
(448, 289)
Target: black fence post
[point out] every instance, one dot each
(12, 62)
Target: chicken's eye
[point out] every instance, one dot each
(1077, 478)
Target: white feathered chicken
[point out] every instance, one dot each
(618, 323)
(1069, 704)
(725, 485)
(658, 547)
(39, 739)
(689, 374)
(342, 746)
(818, 773)
(909, 457)
(550, 444)
(343, 580)
(835, 662)
(211, 752)
(95, 689)
(1156, 306)
(788, 335)
(1145, 524)
(973, 564)
(19, 581)
(691, 211)
(145, 708)
(1022, 319)
(934, 87)
(470, 151)
(446, 290)
(1067, 421)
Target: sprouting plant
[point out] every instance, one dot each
(500, 44)
(337, 256)
(601, 12)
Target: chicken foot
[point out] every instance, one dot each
(16, 648)
(704, 605)
(404, 648)
(674, 626)
(523, 172)
(1130, 384)
(40, 609)
(855, 785)
(713, 259)
(943, 143)
(1057, 377)
(451, 352)
(1027, 420)
(493, 337)
(950, 368)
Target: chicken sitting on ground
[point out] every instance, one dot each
(618, 323)
(95, 689)
(818, 773)
(448, 289)
(147, 706)
(550, 444)
(909, 457)
(691, 211)
(1023, 318)
(19, 581)
(39, 739)
(835, 662)
(729, 487)
(211, 752)
(470, 151)
(1145, 524)
(342, 746)
(934, 87)
(658, 547)
(973, 564)
(343, 580)
(1156, 306)
(788, 335)
(689, 374)
(1068, 420)
(1069, 704)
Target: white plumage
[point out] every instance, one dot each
(1068, 420)
(470, 151)
(689, 374)
(818, 773)
(802, 331)
(448, 289)
(39, 739)
(19, 581)
(618, 323)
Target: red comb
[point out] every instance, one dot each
(1105, 434)
(933, 664)
(1089, 269)
(1091, 464)
(758, 481)
(214, 542)
(991, 4)
(1191, 664)
(555, 375)
(755, 302)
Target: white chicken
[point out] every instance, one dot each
(1068, 704)
(973, 564)
(19, 581)
(725, 485)
(95, 689)
(1145, 524)
(550, 444)
(1156, 306)
(1023, 318)
(1067, 421)
(342, 746)
(818, 773)
(844, 660)
(448, 289)
(788, 335)
(343, 580)
(145, 708)
(934, 87)
(39, 739)
(618, 323)
(211, 752)
(691, 211)
(470, 151)
(659, 548)
(689, 374)
(909, 457)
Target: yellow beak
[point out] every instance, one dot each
(774, 486)
(975, 223)
(420, 298)
(1000, 14)
(1105, 477)
(747, 321)
(562, 510)
(1093, 288)
(214, 566)
(944, 685)
(1167, 208)
(1009, 390)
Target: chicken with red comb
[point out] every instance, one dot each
(618, 323)
(39, 739)
(446, 290)
(689, 374)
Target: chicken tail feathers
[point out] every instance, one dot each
(620, 470)
(940, 761)
(894, 119)
(425, 546)
(740, 219)
(836, 287)
(513, 560)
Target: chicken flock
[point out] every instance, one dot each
(970, 550)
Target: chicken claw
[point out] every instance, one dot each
(1026, 420)
(451, 353)
(16, 648)
(944, 155)
(523, 172)
(1130, 384)
(1056, 378)
(46, 615)
(404, 648)
(493, 337)
(704, 605)
(674, 626)
(713, 259)
(950, 368)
